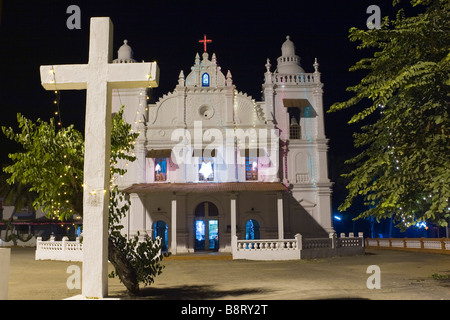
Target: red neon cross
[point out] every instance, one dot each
(205, 41)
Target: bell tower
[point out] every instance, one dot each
(294, 98)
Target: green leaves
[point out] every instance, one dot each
(403, 168)
(51, 163)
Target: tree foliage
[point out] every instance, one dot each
(403, 167)
(51, 163)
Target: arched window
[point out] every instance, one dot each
(207, 209)
(205, 80)
(206, 227)
(252, 230)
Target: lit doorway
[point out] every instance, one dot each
(160, 230)
(252, 230)
(206, 227)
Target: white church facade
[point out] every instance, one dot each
(212, 163)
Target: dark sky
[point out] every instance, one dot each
(244, 34)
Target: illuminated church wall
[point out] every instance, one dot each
(205, 115)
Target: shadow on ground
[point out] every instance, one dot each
(194, 292)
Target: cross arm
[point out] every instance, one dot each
(133, 75)
(64, 77)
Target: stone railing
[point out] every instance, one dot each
(279, 249)
(295, 79)
(64, 250)
(298, 248)
(333, 246)
(434, 245)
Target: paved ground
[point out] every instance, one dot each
(404, 275)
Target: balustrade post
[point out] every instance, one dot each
(361, 235)
(332, 236)
(38, 242)
(298, 238)
(64, 243)
(234, 244)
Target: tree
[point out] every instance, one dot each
(51, 164)
(402, 169)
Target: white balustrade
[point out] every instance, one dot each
(290, 249)
(303, 78)
(413, 244)
(432, 244)
(249, 245)
(441, 245)
(64, 250)
(397, 243)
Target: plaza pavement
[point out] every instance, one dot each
(403, 276)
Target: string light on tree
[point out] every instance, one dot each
(57, 99)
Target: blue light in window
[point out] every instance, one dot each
(205, 80)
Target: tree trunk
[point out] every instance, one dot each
(123, 269)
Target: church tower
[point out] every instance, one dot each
(294, 105)
(135, 113)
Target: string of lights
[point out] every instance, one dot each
(57, 100)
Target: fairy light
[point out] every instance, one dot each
(57, 98)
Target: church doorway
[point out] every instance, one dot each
(252, 230)
(160, 230)
(206, 227)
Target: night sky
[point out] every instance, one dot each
(244, 35)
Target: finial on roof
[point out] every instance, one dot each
(125, 53)
(181, 78)
(316, 65)
(268, 65)
(229, 81)
(197, 58)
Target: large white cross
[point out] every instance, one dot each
(99, 77)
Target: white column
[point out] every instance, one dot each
(318, 92)
(324, 208)
(173, 241)
(280, 216)
(5, 254)
(139, 165)
(233, 215)
(137, 215)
